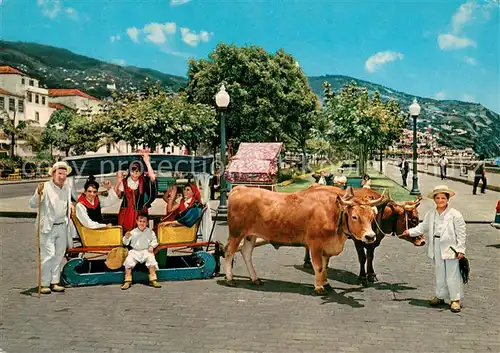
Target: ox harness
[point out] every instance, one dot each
(394, 222)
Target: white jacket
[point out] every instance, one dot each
(453, 233)
(47, 210)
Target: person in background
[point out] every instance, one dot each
(443, 163)
(480, 175)
(214, 184)
(323, 178)
(366, 182)
(340, 180)
(446, 231)
(404, 167)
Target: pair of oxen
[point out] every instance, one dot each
(321, 218)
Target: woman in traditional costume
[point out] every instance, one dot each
(138, 191)
(88, 208)
(188, 210)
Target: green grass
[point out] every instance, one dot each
(379, 183)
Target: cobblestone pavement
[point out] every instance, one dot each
(280, 316)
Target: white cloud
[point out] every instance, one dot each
(133, 33)
(1, 1)
(469, 98)
(191, 38)
(156, 31)
(116, 38)
(449, 42)
(469, 60)
(163, 35)
(463, 16)
(71, 12)
(381, 58)
(50, 8)
(440, 95)
(120, 62)
(178, 2)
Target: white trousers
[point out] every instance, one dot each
(140, 256)
(449, 285)
(52, 249)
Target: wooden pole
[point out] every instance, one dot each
(38, 241)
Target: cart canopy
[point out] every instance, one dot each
(254, 162)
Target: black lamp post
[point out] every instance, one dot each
(222, 100)
(415, 112)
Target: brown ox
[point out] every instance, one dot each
(392, 219)
(316, 217)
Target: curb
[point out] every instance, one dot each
(30, 181)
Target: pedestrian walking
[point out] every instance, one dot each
(54, 199)
(480, 175)
(443, 163)
(404, 167)
(446, 229)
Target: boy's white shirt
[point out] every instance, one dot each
(141, 240)
(453, 233)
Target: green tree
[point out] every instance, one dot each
(360, 122)
(156, 118)
(197, 123)
(270, 96)
(67, 130)
(19, 131)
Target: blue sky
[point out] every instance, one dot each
(443, 49)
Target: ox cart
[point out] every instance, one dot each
(182, 253)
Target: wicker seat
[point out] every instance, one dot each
(109, 236)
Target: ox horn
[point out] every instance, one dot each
(348, 195)
(415, 205)
(383, 198)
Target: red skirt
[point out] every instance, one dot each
(127, 218)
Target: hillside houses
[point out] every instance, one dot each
(22, 99)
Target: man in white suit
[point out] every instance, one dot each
(55, 224)
(446, 231)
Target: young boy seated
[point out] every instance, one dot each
(143, 241)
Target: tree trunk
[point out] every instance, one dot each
(305, 164)
(12, 145)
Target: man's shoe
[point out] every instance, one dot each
(45, 290)
(436, 301)
(155, 284)
(126, 285)
(58, 288)
(455, 306)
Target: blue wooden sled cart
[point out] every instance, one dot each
(190, 257)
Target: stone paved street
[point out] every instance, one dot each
(280, 316)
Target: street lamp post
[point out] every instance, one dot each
(415, 112)
(222, 100)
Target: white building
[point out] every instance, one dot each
(21, 98)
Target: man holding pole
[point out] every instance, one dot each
(52, 199)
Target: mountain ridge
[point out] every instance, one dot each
(61, 68)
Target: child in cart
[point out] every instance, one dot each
(143, 241)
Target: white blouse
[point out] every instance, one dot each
(105, 201)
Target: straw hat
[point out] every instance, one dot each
(441, 189)
(60, 165)
(116, 258)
